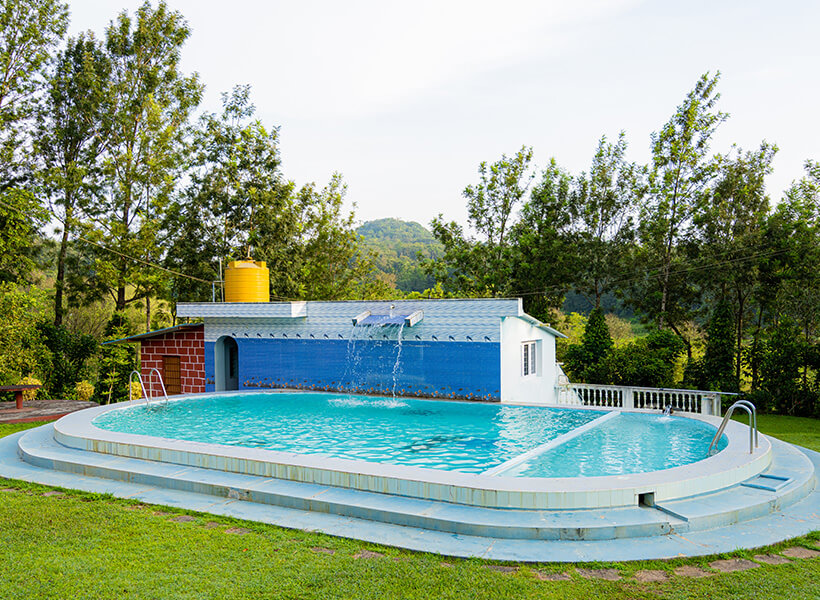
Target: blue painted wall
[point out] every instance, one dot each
(438, 369)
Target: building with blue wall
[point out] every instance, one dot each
(486, 349)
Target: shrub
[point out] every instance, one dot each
(69, 353)
(84, 391)
(29, 395)
(136, 390)
(647, 362)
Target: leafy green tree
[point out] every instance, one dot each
(149, 105)
(69, 141)
(542, 254)
(719, 359)
(239, 204)
(482, 265)
(588, 359)
(604, 202)
(332, 265)
(791, 275)
(680, 171)
(236, 190)
(780, 370)
(29, 30)
(729, 224)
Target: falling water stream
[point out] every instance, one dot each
(397, 364)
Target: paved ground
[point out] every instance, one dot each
(40, 410)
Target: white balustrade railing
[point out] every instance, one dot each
(630, 397)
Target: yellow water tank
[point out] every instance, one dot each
(247, 281)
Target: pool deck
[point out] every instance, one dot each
(40, 410)
(758, 512)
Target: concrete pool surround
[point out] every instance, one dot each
(774, 497)
(733, 465)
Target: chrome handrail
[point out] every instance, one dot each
(145, 393)
(131, 389)
(750, 409)
(161, 383)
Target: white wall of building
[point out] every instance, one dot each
(515, 387)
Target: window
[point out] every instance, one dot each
(528, 361)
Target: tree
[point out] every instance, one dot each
(719, 359)
(235, 185)
(588, 360)
(482, 266)
(116, 362)
(150, 102)
(29, 29)
(69, 140)
(542, 244)
(603, 205)
(239, 204)
(648, 361)
(729, 223)
(332, 266)
(681, 169)
(791, 275)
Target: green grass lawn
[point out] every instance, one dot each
(79, 545)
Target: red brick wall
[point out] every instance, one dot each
(189, 345)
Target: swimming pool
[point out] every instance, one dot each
(496, 487)
(520, 441)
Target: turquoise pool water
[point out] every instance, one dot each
(453, 436)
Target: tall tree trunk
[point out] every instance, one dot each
(59, 284)
(755, 345)
(741, 307)
(147, 314)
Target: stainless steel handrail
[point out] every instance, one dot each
(750, 409)
(754, 416)
(131, 389)
(145, 393)
(161, 383)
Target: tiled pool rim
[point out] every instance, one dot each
(731, 466)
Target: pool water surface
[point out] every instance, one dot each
(451, 436)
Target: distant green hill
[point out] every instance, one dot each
(397, 245)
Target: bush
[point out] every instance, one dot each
(647, 362)
(84, 391)
(29, 395)
(22, 351)
(136, 390)
(116, 363)
(69, 353)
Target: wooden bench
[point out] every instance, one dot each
(18, 392)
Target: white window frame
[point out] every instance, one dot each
(529, 358)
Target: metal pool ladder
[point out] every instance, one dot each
(750, 409)
(142, 384)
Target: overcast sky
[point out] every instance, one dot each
(405, 99)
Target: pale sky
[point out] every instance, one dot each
(405, 99)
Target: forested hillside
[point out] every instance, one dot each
(398, 247)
